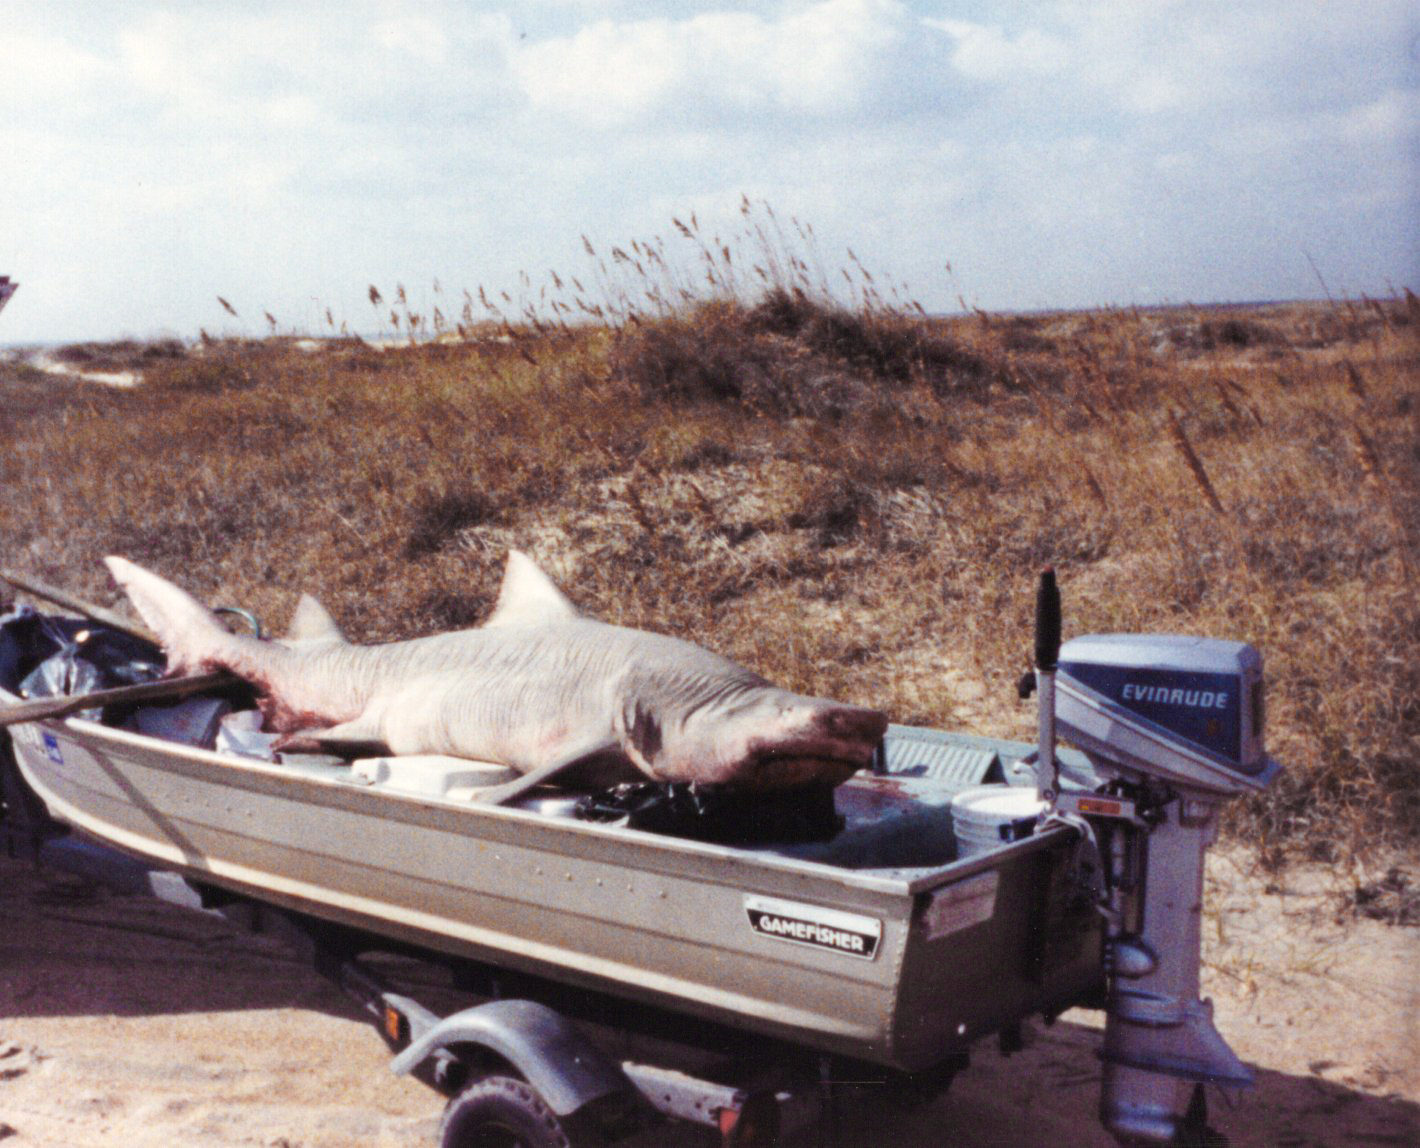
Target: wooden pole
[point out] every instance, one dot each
(37, 709)
(78, 605)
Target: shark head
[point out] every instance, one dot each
(763, 738)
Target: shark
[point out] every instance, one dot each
(539, 687)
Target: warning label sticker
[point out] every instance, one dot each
(956, 907)
(851, 934)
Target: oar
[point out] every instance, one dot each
(78, 605)
(37, 708)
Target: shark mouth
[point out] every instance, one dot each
(841, 741)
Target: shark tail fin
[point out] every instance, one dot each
(193, 637)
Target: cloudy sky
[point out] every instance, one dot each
(286, 156)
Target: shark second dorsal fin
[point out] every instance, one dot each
(528, 595)
(312, 622)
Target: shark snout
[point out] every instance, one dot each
(851, 724)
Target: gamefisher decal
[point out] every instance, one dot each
(839, 932)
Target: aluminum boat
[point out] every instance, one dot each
(881, 944)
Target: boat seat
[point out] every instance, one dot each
(430, 774)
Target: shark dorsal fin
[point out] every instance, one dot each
(528, 595)
(312, 622)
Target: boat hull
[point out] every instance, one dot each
(900, 966)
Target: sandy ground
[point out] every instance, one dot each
(45, 361)
(125, 1021)
(50, 364)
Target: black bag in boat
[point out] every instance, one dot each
(723, 815)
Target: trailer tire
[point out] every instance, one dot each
(500, 1112)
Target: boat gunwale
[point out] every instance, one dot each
(922, 879)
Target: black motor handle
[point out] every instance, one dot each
(1047, 621)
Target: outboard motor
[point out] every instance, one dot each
(1172, 727)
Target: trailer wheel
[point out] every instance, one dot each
(500, 1112)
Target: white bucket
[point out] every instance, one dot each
(978, 814)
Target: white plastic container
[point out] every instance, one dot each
(978, 815)
(430, 774)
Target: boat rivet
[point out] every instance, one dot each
(568, 876)
(961, 1030)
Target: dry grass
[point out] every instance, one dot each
(850, 497)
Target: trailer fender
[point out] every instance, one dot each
(551, 1054)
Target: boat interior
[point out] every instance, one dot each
(896, 818)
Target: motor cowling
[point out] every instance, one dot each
(1184, 709)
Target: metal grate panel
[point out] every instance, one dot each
(952, 759)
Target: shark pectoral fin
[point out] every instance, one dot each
(560, 767)
(362, 734)
(312, 622)
(528, 595)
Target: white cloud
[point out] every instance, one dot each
(1153, 57)
(826, 59)
(158, 153)
(988, 52)
(419, 38)
(1391, 118)
(49, 65)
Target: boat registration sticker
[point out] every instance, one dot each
(26, 734)
(851, 934)
(956, 907)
